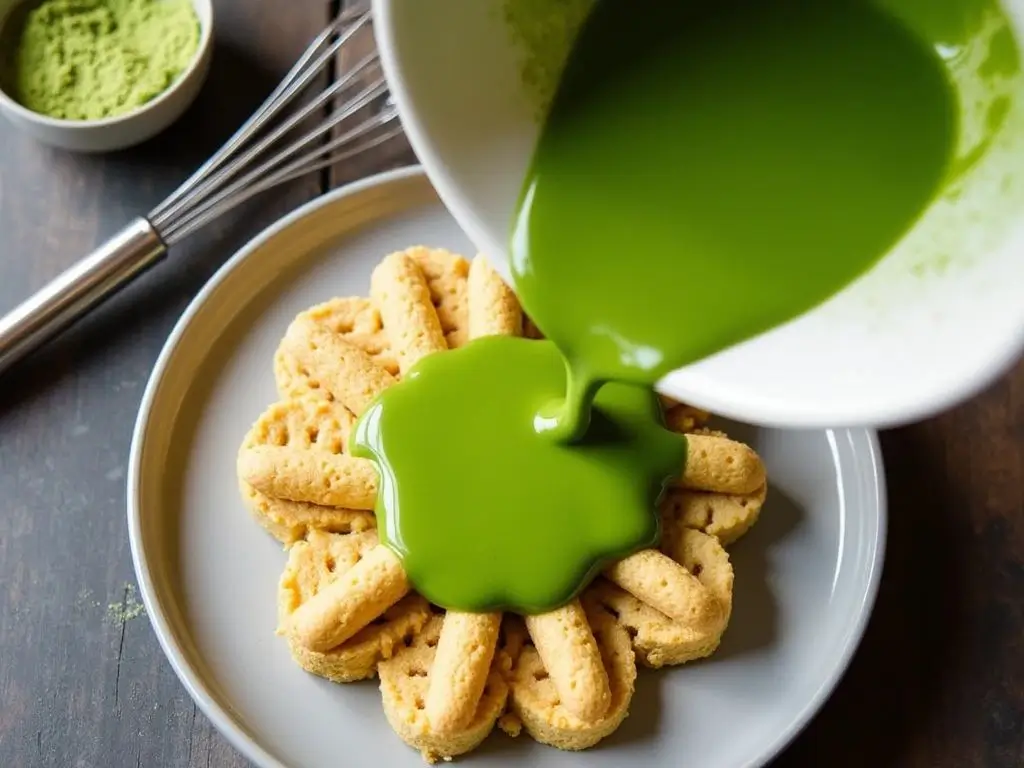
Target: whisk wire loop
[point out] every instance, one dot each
(205, 196)
(348, 116)
(235, 173)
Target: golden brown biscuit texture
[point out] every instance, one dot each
(292, 521)
(399, 289)
(345, 607)
(657, 638)
(404, 685)
(536, 701)
(461, 666)
(313, 565)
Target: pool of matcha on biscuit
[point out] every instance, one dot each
(485, 513)
(706, 171)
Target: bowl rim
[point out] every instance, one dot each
(9, 103)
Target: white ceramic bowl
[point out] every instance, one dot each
(124, 130)
(938, 318)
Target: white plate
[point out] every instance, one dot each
(806, 576)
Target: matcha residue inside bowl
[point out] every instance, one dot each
(543, 32)
(95, 59)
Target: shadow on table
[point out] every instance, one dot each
(908, 653)
(133, 182)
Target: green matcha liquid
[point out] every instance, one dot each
(711, 170)
(707, 171)
(486, 513)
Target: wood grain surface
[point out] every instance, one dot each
(937, 682)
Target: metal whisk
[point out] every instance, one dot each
(350, 116)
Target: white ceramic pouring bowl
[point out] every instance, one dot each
(937, 319)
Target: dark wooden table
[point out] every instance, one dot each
(938, 681)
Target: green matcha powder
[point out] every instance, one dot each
(543, 32)
(93, 59)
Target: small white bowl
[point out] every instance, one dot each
(125, 130)
(937, 318)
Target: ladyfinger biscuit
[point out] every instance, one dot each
(291, 521)
(718, 464)
(316, 477)
(302, 423)
(460, 669)
(357, 658)
(666, 586)
(537, 703)
(493, 308)
(405, 680)
(348, 604)
(446, 274)
(705, 558)
(355, 320)
(724, 516)
(572, 659)
(320, 560)
(657, 639)
(400, 292)
(342, 369)
(316, 562)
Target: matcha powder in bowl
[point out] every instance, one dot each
(543, 32)
(96, 59)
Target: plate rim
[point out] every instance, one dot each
(198, 691)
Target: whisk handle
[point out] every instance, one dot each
(78, 289)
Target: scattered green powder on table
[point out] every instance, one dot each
(92, 59)
(543, 31)
(129, 608)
